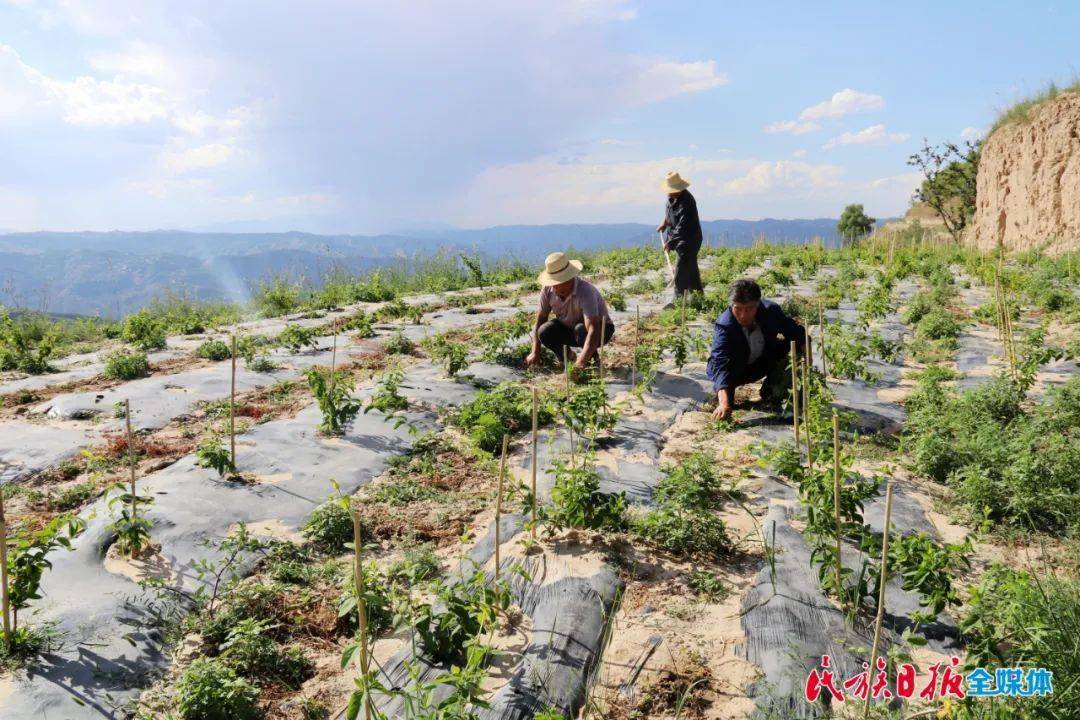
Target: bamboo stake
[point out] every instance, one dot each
(795, 394)
(881, 592)
(4, 577)
(232, 405)
(821, 325)
(600, 352)
(333, 365)
(569, 427)
(836, 498)
(131, 462)
(535, 443)
(498, 505)
(361, 606)
(806, 403)
(637, 333)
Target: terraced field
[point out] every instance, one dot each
(656, 563)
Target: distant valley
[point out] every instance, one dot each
(112, 273)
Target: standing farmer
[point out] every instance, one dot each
(683, 233)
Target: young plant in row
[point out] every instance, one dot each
(25, 346)
(132, 528)
(296, 337)
(211, 453)
(576, 501)
(505, 408)
(332, 390)
(453, 356)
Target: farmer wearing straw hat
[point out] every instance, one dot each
(683, 233)
(579, 311)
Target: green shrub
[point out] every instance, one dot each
(377, 600)
(359, 324)
(453, 356)
(296, 337)
(211, 690)
(576, 501)
(616, 299)
(245, 600)
(938, 324)
(505, 409)
(126, 365)
(1007, 464)
(333, 394)
(464, 610)
(398, 344)
(683, 530)
(330, 526)
(278, 297)
(215, 350)
(374, 288)
(1017, 619)
(251, 651)
(26, 345)
(144, 331)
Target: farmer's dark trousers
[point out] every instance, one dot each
(774, 366)
(687, 274)
(555, 336)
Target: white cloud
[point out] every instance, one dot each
(785, 174)
(664, 79)
(616, 142)
(86, 100)
(972, 134)
(791, 126)
(203, 157)
(798, 153)
(844, 102)
(875, 134)
(597, 10)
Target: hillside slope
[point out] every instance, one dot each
(1028, 186)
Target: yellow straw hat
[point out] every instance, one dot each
(674, 183)
(558, 269)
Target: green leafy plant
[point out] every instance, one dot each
(125, 365)
(576, 501)
(453, 356)
(333, 394)
(359, 324)
(212, 690)
(278, 297)
(144, 331)
(938, 324)
(330, 526)
(132, 528)
(25, 346)
(707, 584)
(212, 454)
(215, 350)
(846, 350)
(398, 344)
(504, 409)
(378, 600)
(587, 410)
(464, 610)
(28, 558)
(296, 337)
(251, 651)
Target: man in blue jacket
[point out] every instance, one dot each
(747, 347)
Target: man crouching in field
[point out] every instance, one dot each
(579, 310)
(747, 347)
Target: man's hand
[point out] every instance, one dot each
(723, 406)
(661, 227)
(533, 359)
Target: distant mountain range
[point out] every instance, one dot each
(112, 273)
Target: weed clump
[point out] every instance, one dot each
(505, 409)
(143, 331)
(330, 526)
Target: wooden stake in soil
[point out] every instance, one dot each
(498, 505)
(836, 498)
(535, 443)
(637, 333)
(4, 577)
(795, 393)
(600, 352)
(361, 606)
(333, 366)
(806, 403)
(881, 593)
(232, 405)
(131, 462)
(821, 329)
(569, 427)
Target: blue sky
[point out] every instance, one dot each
(364, 117)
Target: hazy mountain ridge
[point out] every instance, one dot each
(110, 273)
